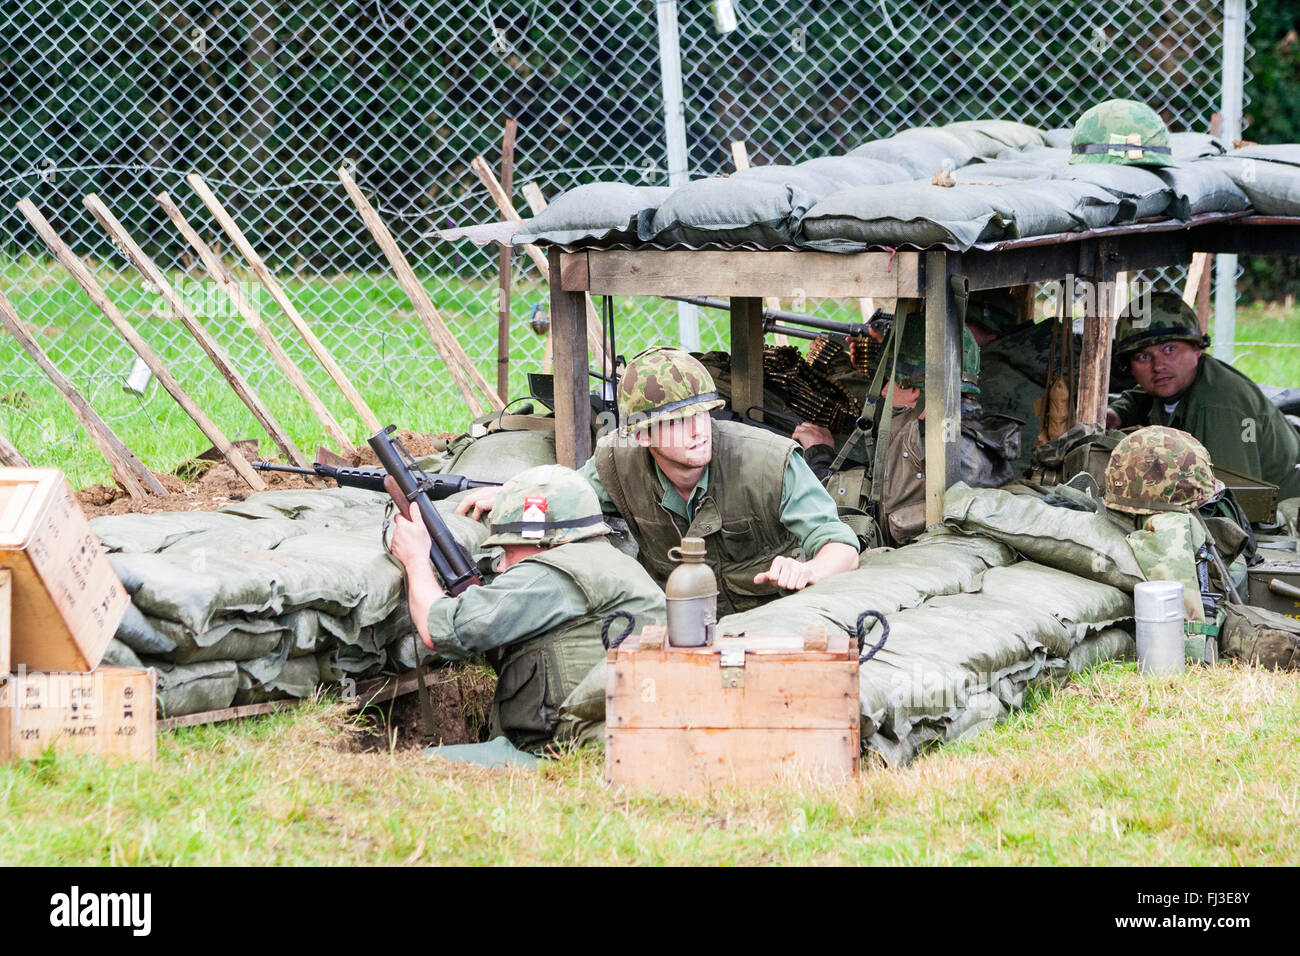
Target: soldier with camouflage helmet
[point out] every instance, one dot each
(539, 620)
(1159, 339)
(672, 472)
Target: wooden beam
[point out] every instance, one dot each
(462, 370)
(572, 398)
(211, 348)
(779, 274)
(141, 348)
(253, 319)
(277, 294)
(746, 353)
(1098, 335)
(126, 467)
(505, 267)
(943, 354)
(10, 456)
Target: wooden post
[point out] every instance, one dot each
(221, 275)
(462, 370)
(746, 353)
(165, 378)
(1098, 334)
(572, 398)
(126, 467)
(1197, 291)
(211, 348)
(269, 283)
(504, 267)
(943, 354)
(507, 208)
(11, 457)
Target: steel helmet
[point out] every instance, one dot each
(546, 505)
(1168, 319)
(662, 384)
(1123, 133)
(1159, 469)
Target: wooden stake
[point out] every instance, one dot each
(269, 283)
(221, 275)
(92, 288)
(453, 356)
(11, 457)
(594, 337)
(211, 348)
(504, 267)
(127, 468)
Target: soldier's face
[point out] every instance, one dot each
(1166, 370)
(687, 442)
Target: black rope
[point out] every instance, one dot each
(604, 629)
(862, 635)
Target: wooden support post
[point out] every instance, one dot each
(746, 354)
(507, 208)
(504, 267)
(221, 275)
(160, 371)
(211, 348)
(11, 457)
(1197, 291)
(1098, 334)
(943, 354)
(127, 468)
(291, 312)
(572, 398)
(462, 370)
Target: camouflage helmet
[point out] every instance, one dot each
(545, 505)
(994, 309)
(1166, 318)
(1123, 133)
(1159, 469)
(910, 371)
(663, 384)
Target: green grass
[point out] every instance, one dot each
(1112, 768)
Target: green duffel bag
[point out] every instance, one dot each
(1260, 636)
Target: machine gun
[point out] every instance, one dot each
(372, 479)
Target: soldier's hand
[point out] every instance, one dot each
(479, 501)
(807, 434)
(786, 573)
(411, 543)
(1112, 418)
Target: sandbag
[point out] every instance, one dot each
(1082, 543)
(297, 678)
(1004, 132)
(1259, 636)
(733, 211)
(827, 174)
(501, 455)
(1108, 644)
(1272, 184)
(961, 146)
(1079, 604)
(1189, 147)
(897, 214)
(139, 633)
(1047, 206)
(118, 654)
(195, 688)
(597, 212)
(1058, 138)
(1286, 153)
(921, 156)
(1200, 188)
(1141, 192)
(1047, 156)
(998, 171)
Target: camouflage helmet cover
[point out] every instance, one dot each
(1167, 318)
(663, 384)
(1159, 469)
(545, 505)
(910, 371)
(1123, 133)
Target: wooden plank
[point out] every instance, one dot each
(6, 610)
(533, 196)
(943, 348)
(746, 353)
(11, 456)
(278, 295)
(462, 370)
(253, 319)
(1098, 332)
(229, 713)
(126, 468)
(507, 209)
(779, 274)
(504, 267)
(77, 268)
(211, 348)
(572, 399)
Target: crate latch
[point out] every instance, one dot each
(731, 659)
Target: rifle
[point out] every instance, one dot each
(372, 479)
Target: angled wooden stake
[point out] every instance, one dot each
(453, 356)
(221, 275)
(11, 457)
(594, 337)
(127, 468)
(165, 378)
(269, 283)
(211, 348)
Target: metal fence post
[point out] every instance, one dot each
(1225, 265)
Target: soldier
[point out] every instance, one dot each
(672, 472)
(1182, 387)
(541, 616)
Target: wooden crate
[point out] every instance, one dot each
(745, 711)
(109, 712)
(66, 600)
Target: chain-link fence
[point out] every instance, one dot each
(266, 100)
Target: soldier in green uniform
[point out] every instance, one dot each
(1182, 387)
(540, 618)
(672, 472)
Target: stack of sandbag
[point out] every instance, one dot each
(1268, 175)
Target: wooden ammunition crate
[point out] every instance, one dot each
(109, 712)
(747, 710)
(66, 602)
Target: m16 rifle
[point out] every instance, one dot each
(372, 479)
